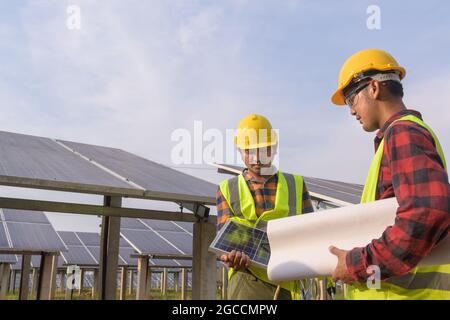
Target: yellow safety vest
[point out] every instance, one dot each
(421, 283)
(288, 202)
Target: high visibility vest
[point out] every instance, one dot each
(288, 202)
(421, 283)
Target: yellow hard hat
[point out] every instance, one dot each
(362, 61)
(255, 131)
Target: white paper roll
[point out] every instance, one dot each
(299, 245)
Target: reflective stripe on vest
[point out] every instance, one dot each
(420, 283)
(288, 202)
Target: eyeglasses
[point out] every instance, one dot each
(350, 98)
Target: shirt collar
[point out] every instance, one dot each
(398, 115)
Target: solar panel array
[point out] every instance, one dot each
(8, 258)
(159, 237)
(148, 174)
(24, 230)
(349, 193)
(84, 249)
(156, 237)
(28, 161)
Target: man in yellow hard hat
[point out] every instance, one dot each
(409, 164)
(259, 194)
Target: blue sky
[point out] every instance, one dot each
(138, 70)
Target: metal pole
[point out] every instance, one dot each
(109, 251)
(24, 277)
(204, 277)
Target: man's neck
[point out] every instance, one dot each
(260, 177)
(388, 110)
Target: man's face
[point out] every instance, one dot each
(258, 159)
(364, 107)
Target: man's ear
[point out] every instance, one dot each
(375, 89)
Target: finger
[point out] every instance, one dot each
(243, 261)
(247, 261)
(231, 255)
(335, 250)
(237, 258)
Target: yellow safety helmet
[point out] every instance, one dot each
(362, 61)
(255, 131)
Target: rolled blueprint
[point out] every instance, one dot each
(299, 245)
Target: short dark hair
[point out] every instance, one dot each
(395, 88)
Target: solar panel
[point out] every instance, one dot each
(124, 244)
(163, 263)
(95, 251)
(8, 258)
(342, 191)
(78, 255)
(148, 174)
(3, 239)
(36, 261)
(181, 240)
(337, 190)
(69, 238)
(89, 238)
(252, 241)
(161, 225)
(35, 237)
(41, 158)
(131, 223)
(25, 216)
(185, 263)
(148, 242)
(187, 226)
(125, 254)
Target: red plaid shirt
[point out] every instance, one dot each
(263, 194)
(412, 171)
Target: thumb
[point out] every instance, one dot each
(335, 251)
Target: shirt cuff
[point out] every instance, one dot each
(356, 264)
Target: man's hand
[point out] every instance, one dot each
(236, 259)
(341, 271)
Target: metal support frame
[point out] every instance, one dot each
(149, 283)
(47, 277)
(164, 278)
(5, 275)
(204, 273)
(109, 251)
(142, 273)
(183, 283)
(34, 283)
(95, 210)
(24, 277)
(95, 285)
(123, 283)
(176, 281)
(130, 286)
(12, 281)
(82, 274)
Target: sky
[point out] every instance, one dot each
(136, 71)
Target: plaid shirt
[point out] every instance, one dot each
(263, 195)
(412, 171)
